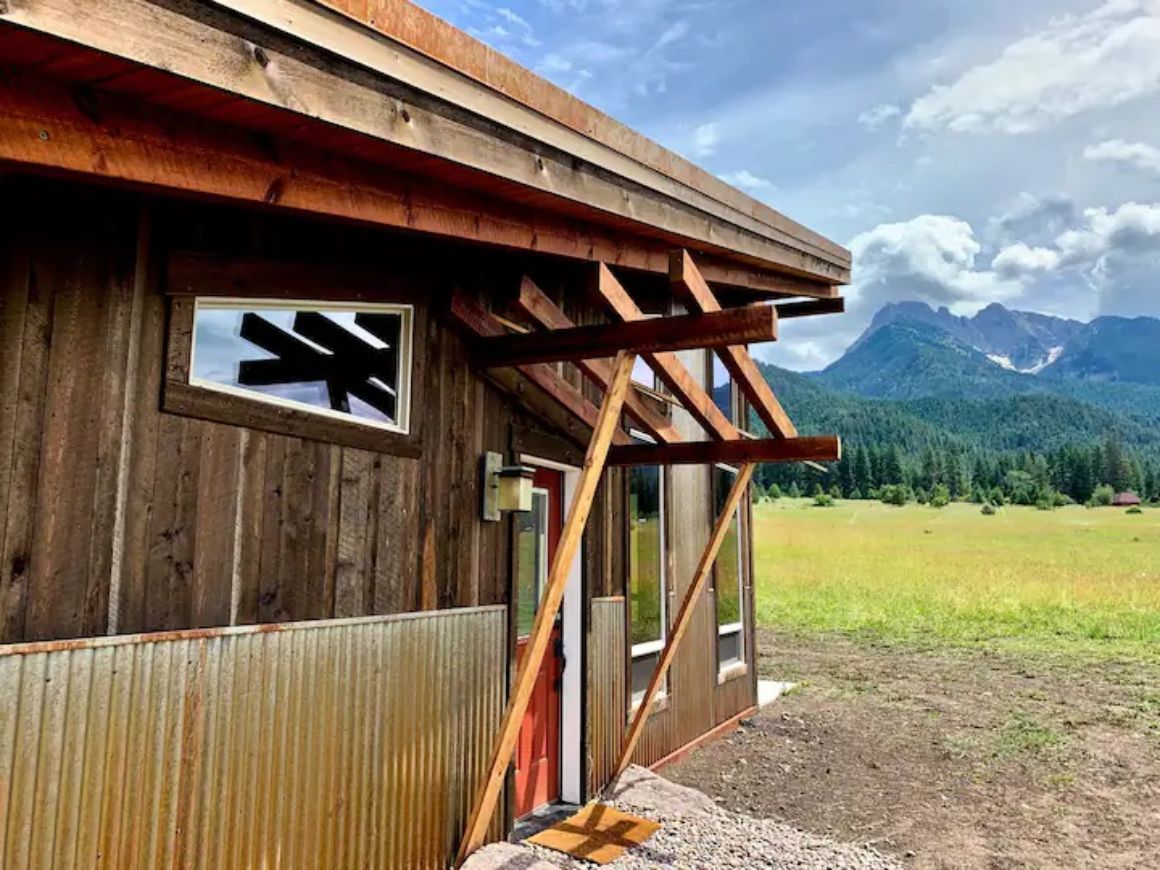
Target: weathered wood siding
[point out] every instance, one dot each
(117, 517)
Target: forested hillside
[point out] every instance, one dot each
(920, 409)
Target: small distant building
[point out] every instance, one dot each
(1126, 499)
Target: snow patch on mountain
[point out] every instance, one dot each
(1004, 362)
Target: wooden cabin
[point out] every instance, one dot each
(374, 436)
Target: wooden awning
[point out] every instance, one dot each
(498, 345)
(654, 340)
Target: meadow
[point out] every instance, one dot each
(1075, 579)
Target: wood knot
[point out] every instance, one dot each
(261, 57)
(19, 563)
(275, 190)
(405, 115)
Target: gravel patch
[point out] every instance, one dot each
(696, 834)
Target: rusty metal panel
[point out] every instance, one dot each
(607, 690)
(348, 743)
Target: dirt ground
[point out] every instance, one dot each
(948, 758)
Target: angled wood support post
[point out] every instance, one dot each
(684, 617)
(535, 305)
(684, 274)
(570, 537)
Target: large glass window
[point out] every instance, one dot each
(646, 571)
(728, 573)
(341, 360)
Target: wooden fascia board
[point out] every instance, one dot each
(691, 284)
(659, 334)
(380, 52)
(667, 367)
(804, 448)
(451, 47)
(535, 305)
(41, 126)
(159, 37)
(478, 322)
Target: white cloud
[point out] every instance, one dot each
(746, 179)
(874, 118)
(1021, 259)
(1132, 229)
(1077, 63)
(931, 258)
(706, 138)
(1131, 155)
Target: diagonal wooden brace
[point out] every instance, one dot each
(666, 365)
(684, 617)
(535, 305)
(570, 537)
(684, 274)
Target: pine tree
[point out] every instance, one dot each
(863, 475)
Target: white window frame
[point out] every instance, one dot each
(653, 647)
(737, 628)
(406, 349)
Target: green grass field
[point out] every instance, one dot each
(1075, 580)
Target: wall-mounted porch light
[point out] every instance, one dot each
(505, 487)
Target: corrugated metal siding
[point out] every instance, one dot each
(607, 690)
(351, 743)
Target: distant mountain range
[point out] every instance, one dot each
(1001, 380)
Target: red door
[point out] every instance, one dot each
(538, 750)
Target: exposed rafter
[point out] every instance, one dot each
(810, 308)
(687, 332)
(666, 365)
(472, 317)
(818, 448)
(687, 280)
(535, 305)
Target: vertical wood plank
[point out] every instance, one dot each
(270, 605)
(67, 594)
(139, 492)
(25, 330)
(397, 585)
(252, 517)
(353, 564)
(216, 526)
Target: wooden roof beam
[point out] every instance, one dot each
(686, 332)
(813, 448)
(810, 308)
(687, 279)
(476, 320)
(666, 365)
(535, 305)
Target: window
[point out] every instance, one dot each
(729, 576)
(532, 560)
(722, 387)
(347, 361)
(648, 596)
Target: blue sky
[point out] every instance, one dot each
(967, 152)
